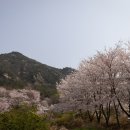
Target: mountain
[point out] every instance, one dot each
(19, 71)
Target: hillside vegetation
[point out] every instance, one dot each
(95, 97)
(19, 71)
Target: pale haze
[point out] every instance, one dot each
(61, 33)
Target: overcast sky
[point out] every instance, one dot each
(61, 33)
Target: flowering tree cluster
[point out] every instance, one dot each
(101, 84)
(13, 98)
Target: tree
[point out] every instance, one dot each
(100, 84)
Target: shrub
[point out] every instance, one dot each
(22, 118)
(78, 122)
(69, 121)
(66, 120)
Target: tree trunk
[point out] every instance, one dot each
(98, 114)
(117, 114)
(90, 116)
(122, 108)
(106, 113)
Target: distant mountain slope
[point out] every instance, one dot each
(18, 71)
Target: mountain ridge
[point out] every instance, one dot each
(19, 71)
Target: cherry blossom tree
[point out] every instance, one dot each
(100, 83)
(14, 98)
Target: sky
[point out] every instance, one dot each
(61, 33)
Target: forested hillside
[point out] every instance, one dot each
(19, 71)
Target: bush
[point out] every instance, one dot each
(64, 120)
(78, 122)
(22, 118)
(69, 121)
